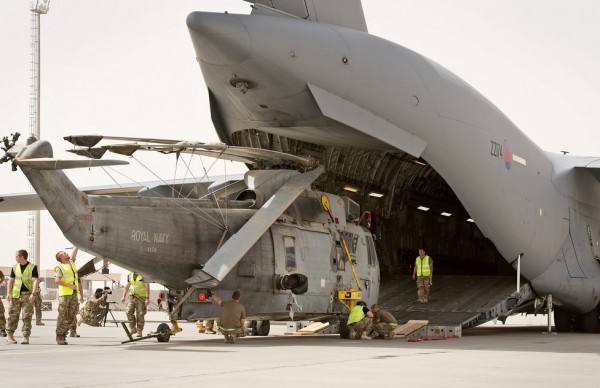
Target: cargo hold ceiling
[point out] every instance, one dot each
(397, 188)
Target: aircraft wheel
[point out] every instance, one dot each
(590, 321)
(343, 328)
(253, 326)
(164, 332)
(263, 328)
(562, 320)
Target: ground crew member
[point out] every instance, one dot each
(69, 290)
(423, 274)
(94, 310)
(2, 318)
(233, 320)
(360, 322)
(23, 280)
(384, 323)
(139, 298)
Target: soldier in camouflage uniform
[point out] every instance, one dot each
(2, 319)
(23, 280)
(69, 289)
(94, 310)
(139, 298)
(384, 323)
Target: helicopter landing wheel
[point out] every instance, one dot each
(163, 333)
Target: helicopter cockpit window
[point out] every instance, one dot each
(341, 262)
(372, 253)
(289, 244)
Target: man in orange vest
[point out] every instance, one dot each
(423, 274)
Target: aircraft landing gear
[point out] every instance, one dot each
(565, 321)
(343, 328)
(589, 321)
(163, 333)
(562, 320)
(260, 328)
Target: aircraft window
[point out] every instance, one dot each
(372, 254)
(351, 241)
(341, 262)
(290, 252)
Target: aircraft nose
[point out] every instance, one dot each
(219, 39)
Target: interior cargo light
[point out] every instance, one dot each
(202, 296)
(352, 189)
(423, 208)
(470, 220)
(446, 214)
(375, 194)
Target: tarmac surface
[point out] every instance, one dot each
(516, 354)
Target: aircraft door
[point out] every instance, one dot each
(287, 246)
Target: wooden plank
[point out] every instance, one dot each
(314, 327)
(310, 329)
(409, 327)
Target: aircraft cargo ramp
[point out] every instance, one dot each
(454, 300)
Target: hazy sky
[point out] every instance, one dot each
(128, 68)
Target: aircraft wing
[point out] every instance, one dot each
(344, 13)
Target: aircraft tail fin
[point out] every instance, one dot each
(63, 200)
(344, 13)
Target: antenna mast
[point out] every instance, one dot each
(37, 8)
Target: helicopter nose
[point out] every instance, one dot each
(219, 39)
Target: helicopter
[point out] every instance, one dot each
(293, 252)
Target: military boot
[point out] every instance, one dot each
(60, 339)
(11, 339)
(364, 336)
(2, 333)
(40, 323)
(25, 341)
(139, 333)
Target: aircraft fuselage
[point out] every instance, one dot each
(289, 77)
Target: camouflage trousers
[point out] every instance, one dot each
(2, 319)
(382, 328)
(93, 317)
(73, 325)
(37, 306)
(365, 325)
(135, 311)
(423, 285)
(67, 309)
(21, 306)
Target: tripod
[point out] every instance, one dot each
(108, 311)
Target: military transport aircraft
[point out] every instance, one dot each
(413, 142)
(305, 76)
